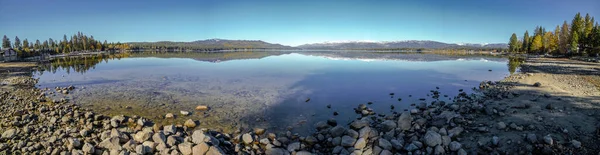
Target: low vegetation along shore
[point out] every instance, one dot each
(548, 108)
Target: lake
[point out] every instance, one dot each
(277, 90)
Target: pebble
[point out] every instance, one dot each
(455, 146)
(201, 107)
(169, 116)
(184, 113)
(189, 123)
(548, 140)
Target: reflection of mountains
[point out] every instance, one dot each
(214, 57)
(383, 56)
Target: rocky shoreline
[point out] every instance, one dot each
(472, 124)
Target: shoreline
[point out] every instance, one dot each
(500, 121)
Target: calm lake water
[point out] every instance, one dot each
(264, 89)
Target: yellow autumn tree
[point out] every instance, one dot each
(536, 44)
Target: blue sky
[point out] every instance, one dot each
(287, 22)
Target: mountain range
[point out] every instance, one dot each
(220, 44)
(412, 44)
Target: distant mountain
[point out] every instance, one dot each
(209, 44)
(412, 44)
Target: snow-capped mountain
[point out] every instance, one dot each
(393, 44)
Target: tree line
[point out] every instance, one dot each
(79, 42)
(580, 37)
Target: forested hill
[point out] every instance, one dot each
(207, 45)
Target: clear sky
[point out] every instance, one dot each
(287, 22)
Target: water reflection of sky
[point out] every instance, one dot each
(343, 83)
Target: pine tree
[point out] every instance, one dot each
(17, 43)
(576, 32)
(512, 44)
(563, 39)
(526, 43)
(6, 42)
(574, 45)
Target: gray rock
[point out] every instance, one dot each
(201, 148)
(438, 150)
(110, 143)
(495, 141)
(75, 143)
(337, 131)
(337, 149)
(276, 151)
(169, 116)
(159, 137)
(377, 150)
(142, 136)
(336, 141)
(185, 148)
(446, 141)
(360, 144)
(140, 149)
(352, 133)
(404, 121)
(141, 122)
(462, 152)
(411, 147)
(576, 144)
(455, 146)
(169, 129)
(396, 144)
(213, 150)
(348, 141)
(311, 140)
(172, 141)
(190, 123)
(198, 137)
(303, 153)
(385, 144)
(443, 132)
(321, 125)
(364, 132)
(3, 146)
(385, 152)
(247, 138)
(259, 131)
(548, 140)
(358, 124)
(455, 131)
(9, 134)
(532, 138)
(88, 148)
(388, 125)
(501, 126)
(432, 138)
(293, 147)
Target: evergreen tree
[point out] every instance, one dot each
(526, 43)
(574, 45)
(554, 39)
(512, 44)
(563, 38)
(17, 43)
(576, 32)
(5, 42)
